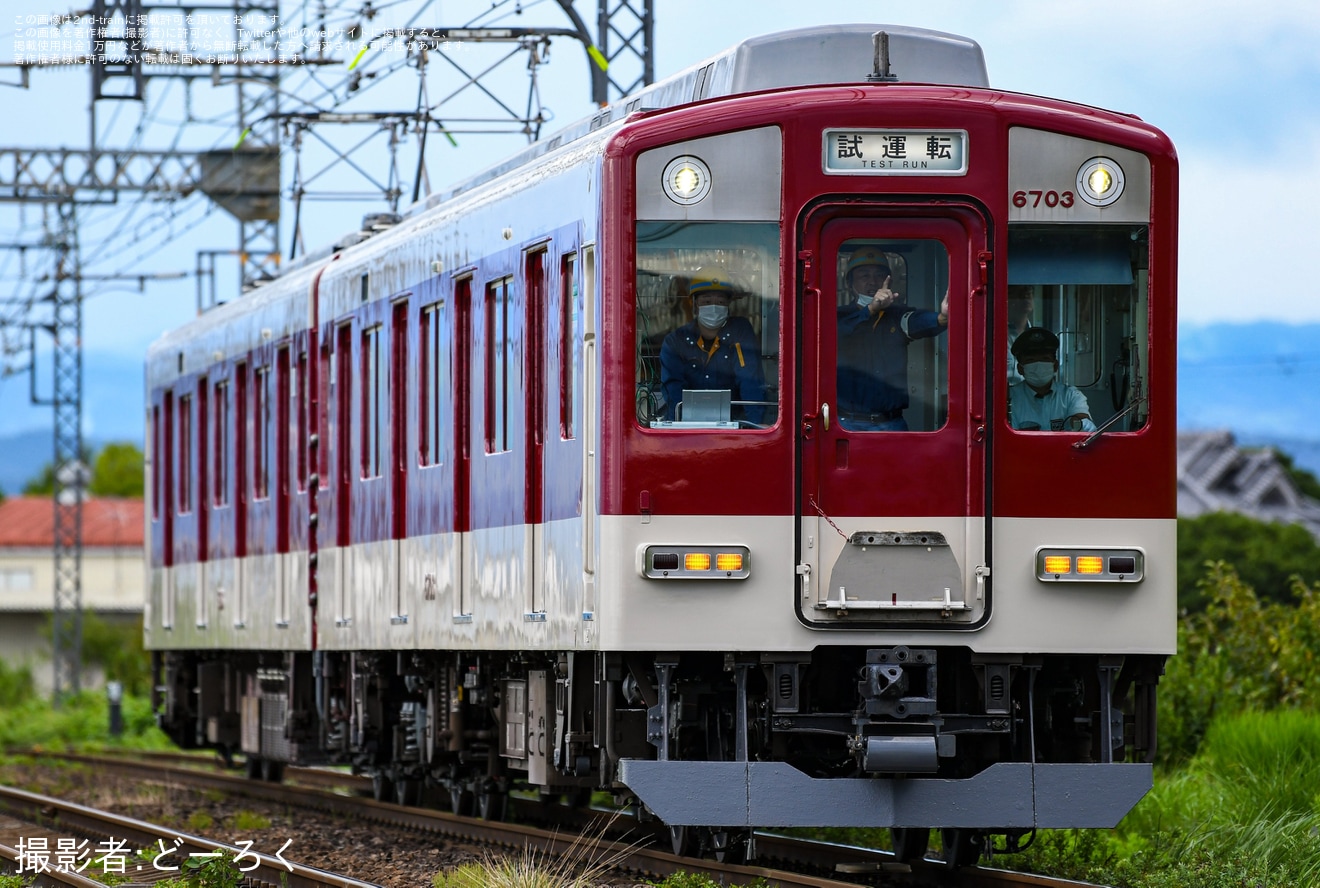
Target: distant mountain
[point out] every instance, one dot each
(1261, 380)
(112, 399)
(22, 456)
(112, 411)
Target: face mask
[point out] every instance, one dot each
(864, 301)
(712, 317)
(1039, 374)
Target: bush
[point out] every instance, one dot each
(1240, 654)
(1266, 555)
(81, 720)
(15, 685)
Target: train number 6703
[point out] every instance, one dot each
(1050, 198)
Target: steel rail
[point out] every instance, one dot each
(849, 863)
(269, 870)
(52, 879)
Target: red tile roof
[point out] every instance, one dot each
(29, 522)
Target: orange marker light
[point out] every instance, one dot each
(1058, 564)
(728, 561)
(696, 561)
(1090, 564)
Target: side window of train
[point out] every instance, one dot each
(892, 346)
(707, 331)
(1079, 293)
(220, 473)
(432, 384)
(260, 427)
(184, 465)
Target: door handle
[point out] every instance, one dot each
(825, 416)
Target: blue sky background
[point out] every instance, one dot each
(1236, 86)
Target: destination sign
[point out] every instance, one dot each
(890, 152)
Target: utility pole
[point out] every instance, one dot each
(71, 474)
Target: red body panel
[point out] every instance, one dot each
(740, 473)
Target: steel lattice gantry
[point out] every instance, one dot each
(70, 472)
(245, 182)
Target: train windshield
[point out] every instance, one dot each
(1077, 328)
(707, 325)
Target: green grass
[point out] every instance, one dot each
(247, 820)
(1244, 812)
(82, 721)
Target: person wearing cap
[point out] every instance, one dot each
(1040, 402)
(874, 333)
(713, 350)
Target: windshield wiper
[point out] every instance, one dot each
(1100, 430)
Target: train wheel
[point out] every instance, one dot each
(407, 791)
(252, 768)
(382, 787)
(460, 800)
(684, 841)
(490, 803)
(909, 843)
(729, 845)
(272, 772)
(962, 847)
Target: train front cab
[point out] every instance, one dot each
(958, 624)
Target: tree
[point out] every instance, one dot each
(43, 484)
(1266, 555)
(117, 470)
(1305, 481)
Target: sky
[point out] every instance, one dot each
(1235, 85)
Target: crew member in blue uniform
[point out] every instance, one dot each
(1040, 402)
(874, 332)
(713, 350)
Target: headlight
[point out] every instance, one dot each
(686, 179)
(1100, 181)
(1078, 565)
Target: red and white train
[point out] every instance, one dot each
(419, 504)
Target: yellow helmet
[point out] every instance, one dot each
(867, 256)
(711, 277)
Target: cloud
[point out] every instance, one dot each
(1246, 229)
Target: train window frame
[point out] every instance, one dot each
(1089, 286)
(668, 253)
(240, 463)
(221, 449)
(498, 381)
(568, 337)
(301, 407)
(260, 425)
(183, 447)
(156, 457)
(203, 468)
(324, 406)
(431, 383)
(373, 378)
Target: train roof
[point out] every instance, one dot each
(816, 56)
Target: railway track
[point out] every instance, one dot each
(129, 842)
(782, 860)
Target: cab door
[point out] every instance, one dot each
(892, 500)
